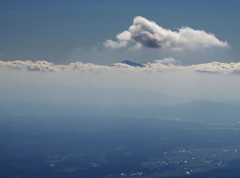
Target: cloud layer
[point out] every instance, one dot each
(165, 65)
(213, 80)
(145, 33)
(45, 66)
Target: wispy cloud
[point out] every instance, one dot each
(145, 33)
(168, 61)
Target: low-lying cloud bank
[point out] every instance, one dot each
(45, 66)
(145, 33)
(165, 65)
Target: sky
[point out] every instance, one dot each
(189, 48)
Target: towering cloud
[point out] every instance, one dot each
(145, 33)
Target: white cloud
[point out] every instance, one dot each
(165, 65)
(29, 65)
(168, 61)
(177, 80)
(218, 67)
(145, 33)
(44, 66)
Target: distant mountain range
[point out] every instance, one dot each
(87, 95)
(130, 63)
(205, 112)
(114, 102)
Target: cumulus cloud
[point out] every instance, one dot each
(212, 67)
(145, 33)
(29, 65)
(44, 66)
(164, 65)
(218, 67)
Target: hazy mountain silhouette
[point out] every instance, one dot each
(113, 101)
(132, 63)
(86, 95)
(206, 112)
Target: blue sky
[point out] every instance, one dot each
(72, 43)
(50, 30)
